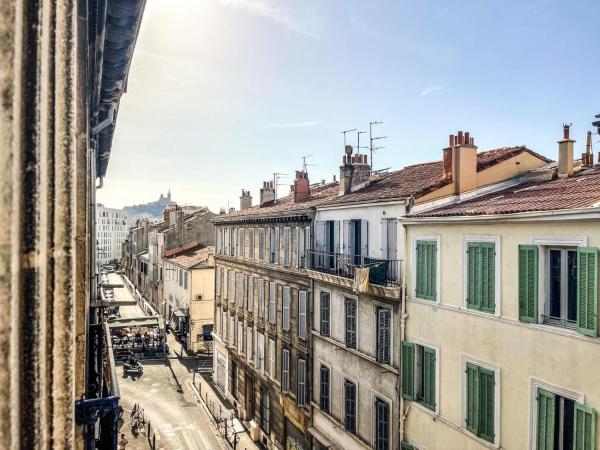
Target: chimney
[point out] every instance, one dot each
(565, 153)
(301, 187)
(355, 172)
(587, 158)
(460, 162)
(231, 209)
(245, 200)
(267, 193)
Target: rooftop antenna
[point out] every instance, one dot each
(358, 147)
(344, 133)
(304, 164)
(276, 177)
(371, 139)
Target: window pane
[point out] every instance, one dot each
(555, 283)
(572, 285)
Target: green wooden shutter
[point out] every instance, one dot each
(488, 276)
(472, 398)
(408, 360)
(432, 273)
(407, 446)
(584, 434)
(426, 284)
(587, 291)
(486, 404)
(528, 283)
(546, 402)
(429, 377)
(472, 293)
(420, 269)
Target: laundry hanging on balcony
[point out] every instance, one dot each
(361, 279)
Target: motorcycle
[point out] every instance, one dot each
(133, 367)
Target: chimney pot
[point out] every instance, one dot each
(451, 140)
(565, 154)
(467, 139)
(460, 138)
(566, 127)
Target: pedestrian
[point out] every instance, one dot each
(123, 442)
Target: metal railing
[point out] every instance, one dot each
(381, 271)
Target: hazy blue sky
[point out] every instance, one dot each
(222, 93)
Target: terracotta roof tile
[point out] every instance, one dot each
(582, 190)
(193, 256)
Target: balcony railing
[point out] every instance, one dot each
(381, 271)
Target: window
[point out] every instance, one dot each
(481, 411)
(234, 379)
(240, 336)
(261, 244)
(232, 292)
(287, 257)
(218, 280)
(285, 309)
(349, 406)
(285, 370)
(239, 293)
(241, 244)
(383, 334)
(272, 358)
(571, 287)
(419, 374)
(302, 314)
(382, 425)
(324, 392)
(324, 313)
(301, 246)
(251, 243)
(351, 323)
(261, 298)
(265, 410)
(563, 423)
(272, 301)
(389, 241)
(301, 388)
(426, 270)
(250, 299)
(260, 366)
(225, 283)
(218, 327)
(481, 276)
(249, 342)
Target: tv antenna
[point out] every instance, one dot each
(304, 164)
(344, 133)
(358, 147)
(276, 177)
(371, 139)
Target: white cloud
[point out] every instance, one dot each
(431, 89)
(310, 123)
(276, 14)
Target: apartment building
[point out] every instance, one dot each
(500, 344)
(189, 285)
(262, 311)
(111, 231)
(357, 270)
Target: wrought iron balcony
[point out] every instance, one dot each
(381, 271)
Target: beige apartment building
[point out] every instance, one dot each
(500, 344)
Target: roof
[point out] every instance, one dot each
(192, 257)
(319, 194)
(581, 190)
(419, 179)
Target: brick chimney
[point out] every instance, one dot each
(267, 193)
(460, 162)
(355, 172)
(587, 158)
(245, 200)
(301, 186)
(565, 153)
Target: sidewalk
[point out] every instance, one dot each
(212, 401)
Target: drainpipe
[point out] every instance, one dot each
(403, 318)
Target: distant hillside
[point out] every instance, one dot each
(152, 210)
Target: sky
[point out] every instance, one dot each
(224, 93)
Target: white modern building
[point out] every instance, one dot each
(111, 231)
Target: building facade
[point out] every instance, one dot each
(111, 231)
(500, 344)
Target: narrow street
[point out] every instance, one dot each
(163, 391)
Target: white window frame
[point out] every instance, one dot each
(463, 397)
(413, 269)
(534, 385)
(544, 243)
(497, 241)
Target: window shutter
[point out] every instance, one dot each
(287, 257)
(426, 283)
(299, 243)
(408, 370)
(324, 313)
(350, 323)
(272, 358)
(261, 297)
(584, 430)
(383, 335)
(364, 238)
(429, 377)
(336, 236)
(472, 398)
(272, 299)
(473, 256)
(406, 446)
(276, 244)
(486, 404)
(546, 402)
(250, 293)
(528, 283)
(384, 238)
(301, 389)
(285, 370)
(302, 314)
(587, 291)
(307, 246)
(285, 310)
(346, 226)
